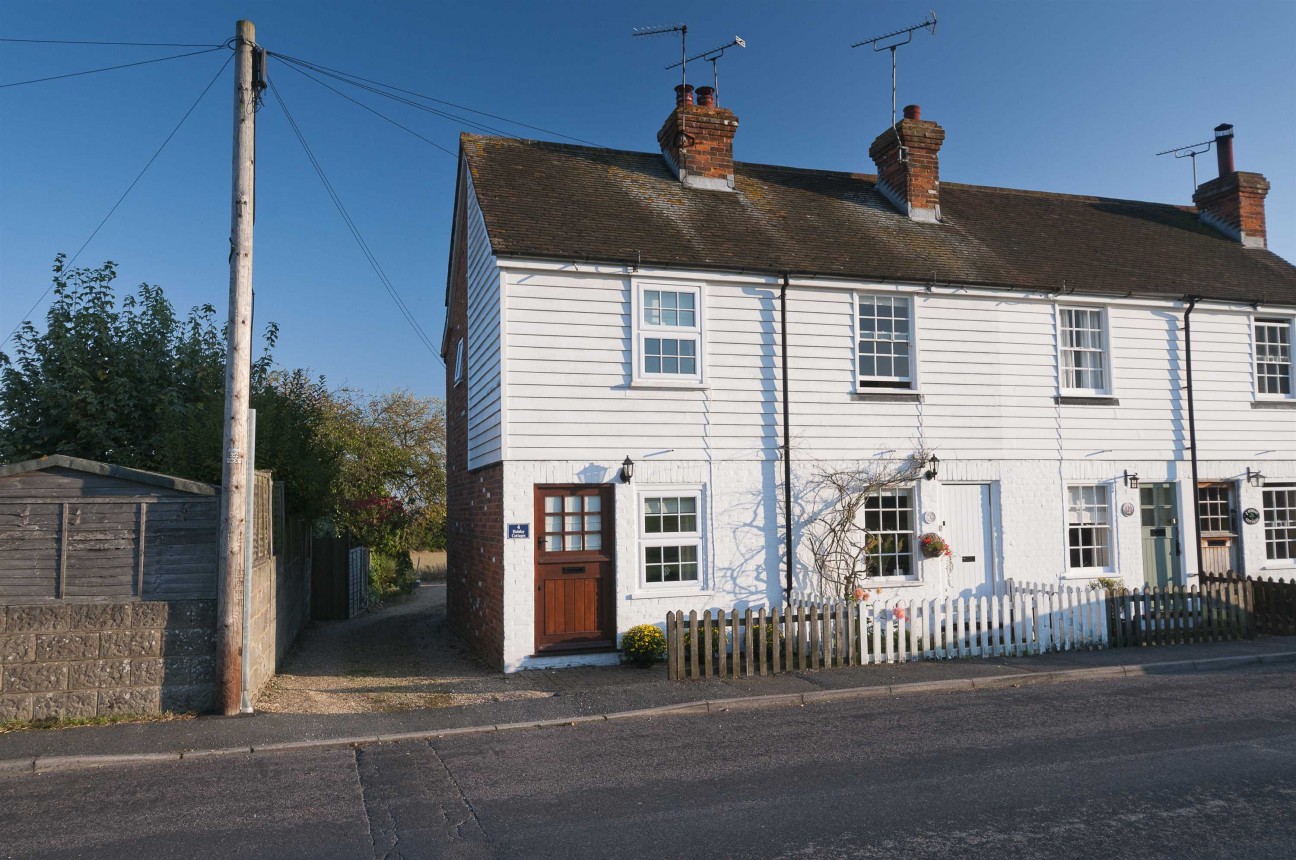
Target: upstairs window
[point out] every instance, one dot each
(459, 362)
(1082, 338)
(884, 341)
(1273, 357)
(668, 335)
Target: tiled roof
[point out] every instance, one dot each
(578, 203)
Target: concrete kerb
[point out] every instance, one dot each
(48, 764)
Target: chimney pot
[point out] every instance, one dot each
(706, 96)
(913, 112)
(1224, 148)
(1234, 202)
(683, 94)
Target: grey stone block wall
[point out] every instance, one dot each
(65, 660)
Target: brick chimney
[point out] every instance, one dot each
(697, 140)
(908, 167)
(1233, 203)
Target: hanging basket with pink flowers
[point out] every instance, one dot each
(933, 545)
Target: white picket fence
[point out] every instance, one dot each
(814, 634)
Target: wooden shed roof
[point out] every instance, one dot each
(93, 467)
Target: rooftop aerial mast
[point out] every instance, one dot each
(682, 29)
(891, 41)
(713, 57)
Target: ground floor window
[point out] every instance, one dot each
(670, 537)
(889, 521)
(1280, 523)
(1088, 527)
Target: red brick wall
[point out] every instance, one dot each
(475, 499)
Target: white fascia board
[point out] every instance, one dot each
(718, 276)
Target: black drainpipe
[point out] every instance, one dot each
(787, 448)
(1192, 432)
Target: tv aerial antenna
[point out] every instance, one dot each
(713, 57)
(1192, 150)
(892, 41)
(682, 29)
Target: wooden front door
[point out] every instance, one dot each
(575, 568)
(1216, 511)
(970, 531)
(1161, 551)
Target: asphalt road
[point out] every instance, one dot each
(1179, 766)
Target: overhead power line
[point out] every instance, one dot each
(351, 78)
(128, 190)
(476, 124)
(301, 71)
(354, 229)
(122, 44)
(112, 68)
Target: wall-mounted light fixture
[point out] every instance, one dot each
(627, 469)
(932, 466)
(1255, 479)
(1131, 480)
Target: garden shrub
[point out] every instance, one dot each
(643, 644)
(391, 575)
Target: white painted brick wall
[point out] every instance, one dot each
(743, 538)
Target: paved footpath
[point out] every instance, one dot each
(1174, 765)
(597, 694)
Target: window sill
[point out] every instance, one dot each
(1090, 573)
(873, 583)
(669, 385)
(1274, 404)
(669, 593)
(883, 396)
(1085, 400)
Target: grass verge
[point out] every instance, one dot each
(77, 722)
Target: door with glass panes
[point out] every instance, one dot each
(575, 568)
(1159, 508)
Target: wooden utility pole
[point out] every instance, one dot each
(238, 370)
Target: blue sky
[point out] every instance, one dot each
(1060, 96)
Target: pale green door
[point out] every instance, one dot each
(1161, 552)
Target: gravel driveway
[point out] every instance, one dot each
(397, 657)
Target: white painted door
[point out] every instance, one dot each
(969, 530)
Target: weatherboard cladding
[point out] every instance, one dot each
(558, 201)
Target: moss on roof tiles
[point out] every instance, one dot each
(572, 202)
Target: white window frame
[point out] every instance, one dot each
(460, 371)
(646, 540)
(1277, 321)
(640, 332)
(1109, 490)
(1107, 389)
(915, 557)
(881, 384)
(1267, 523)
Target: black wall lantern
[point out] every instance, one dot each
(1255, 479)
(1131, 480)
(932, 466)
(627, 469)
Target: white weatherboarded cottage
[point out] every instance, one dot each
(638, 344)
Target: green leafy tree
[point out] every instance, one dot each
(390, 479)
(132, 383)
